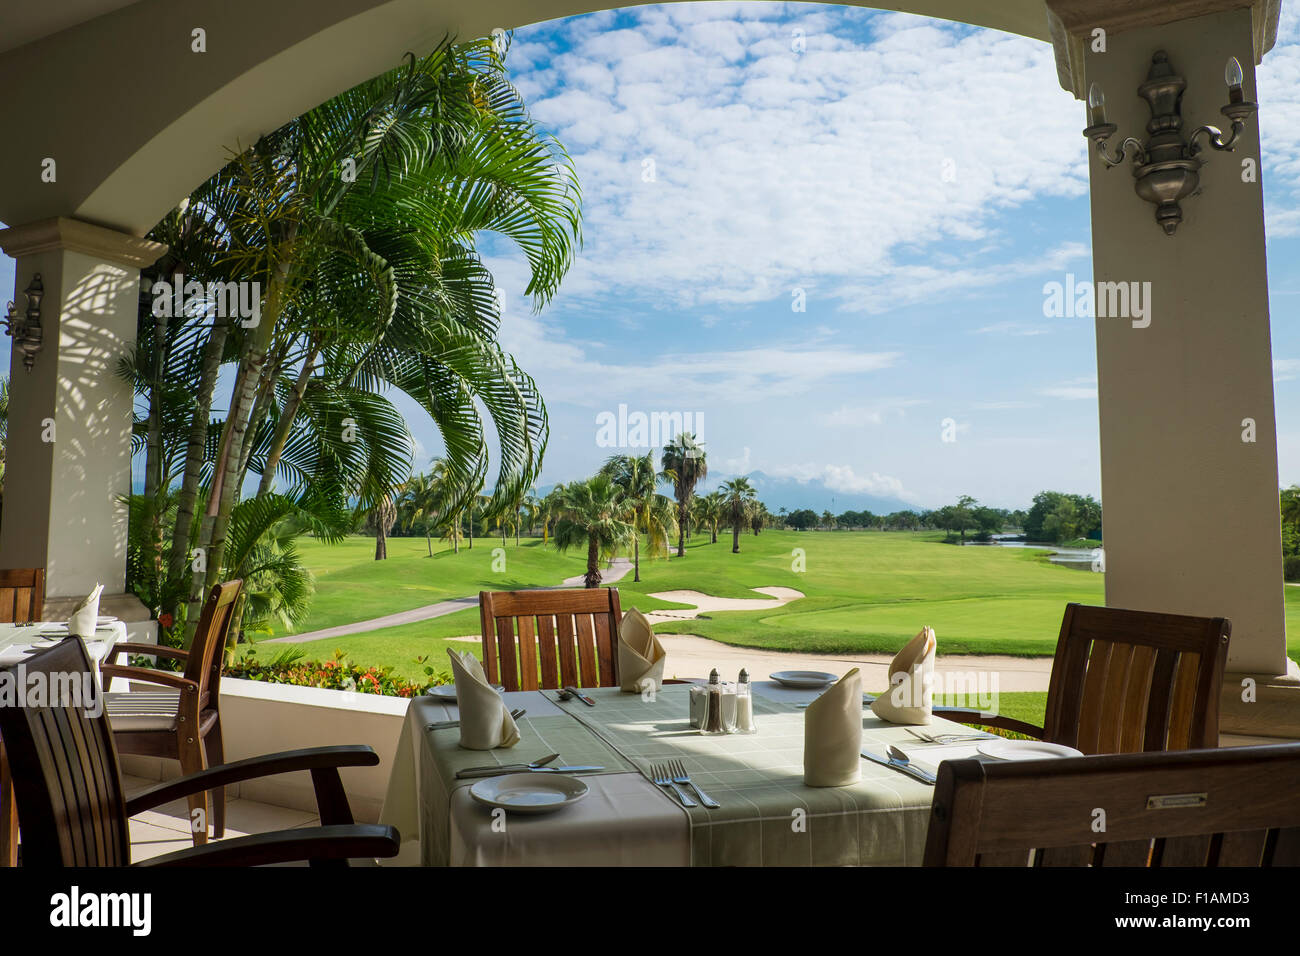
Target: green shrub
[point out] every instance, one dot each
(1291, 568)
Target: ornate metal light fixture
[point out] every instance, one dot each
(25, 329)
(1167, 167)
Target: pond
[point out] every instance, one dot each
(1079, 559)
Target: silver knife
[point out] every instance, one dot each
(915, 773)
(498, 771)
(580, 695)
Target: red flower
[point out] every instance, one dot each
(166, 620)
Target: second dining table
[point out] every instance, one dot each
(767, 815)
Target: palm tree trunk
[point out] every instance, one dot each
(285, 425)
(189, 493)
(428, 541)
(636, 558)
(735, 537)
(592, 578)
(681, 529)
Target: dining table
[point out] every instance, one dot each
(766, 815)
(17, 643)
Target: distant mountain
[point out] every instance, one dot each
(793, 495)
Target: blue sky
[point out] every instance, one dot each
(735, 157)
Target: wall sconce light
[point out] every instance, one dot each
(1167, 167)
(26, 329)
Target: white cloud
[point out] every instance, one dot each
(841, 478)
(874, 414)
(775, 170)
(1284, 370)
(1079, 389)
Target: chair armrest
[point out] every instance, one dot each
(149, 650)
(321, 761)
(967, 715)
(149, 676)
(333, 843)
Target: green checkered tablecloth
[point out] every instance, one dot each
(768, 816)
(538, 736)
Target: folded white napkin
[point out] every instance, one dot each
(910, 699)
(86, 614)
(832, 735)
(640, 655)
(485, 721)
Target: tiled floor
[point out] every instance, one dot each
(167, 828)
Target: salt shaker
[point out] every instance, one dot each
(744, 722)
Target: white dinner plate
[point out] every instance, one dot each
(104, 620)
(1004, 749)
(60, 629)
(448, 691)
(803, 679)
(529, 792)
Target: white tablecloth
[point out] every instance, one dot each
(18, 642)
(623, 821)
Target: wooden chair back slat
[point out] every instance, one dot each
(1208, 807)
(22, 595)
(1242, 848)
(1113, 693)
(207, 650)
(587, 651)
(1183, 851)
(1127, 681)
(1091, 697)
(1126, 853)
(1133, 722)
(567, 639)
(1284, 847)
(535, 640)
(65, 771)
(528, 660)
(1182, 703)
(547, 651)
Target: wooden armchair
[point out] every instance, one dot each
(22, 595)
(73, 812)
(1128, 681)
(572, 631)
(1229, 807)
(182, 721)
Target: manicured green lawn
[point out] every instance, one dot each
(866, 592)
(352, 586)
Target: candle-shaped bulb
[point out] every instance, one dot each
(1096, 105)
(1232, 74)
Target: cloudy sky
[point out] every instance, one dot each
(807, 227)
(737, 159)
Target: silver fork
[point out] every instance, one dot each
(660, 775)
(945, 738)
(679, 775)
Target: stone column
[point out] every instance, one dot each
(68, 461)
(1188, 434)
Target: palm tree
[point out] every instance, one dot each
(759, 517)
(422, 500)
(710, 513)
(551, 509)
(739, 499)
(594, 513)
(652, 512)
(367, 283)
(384, 516)
(684, 465)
